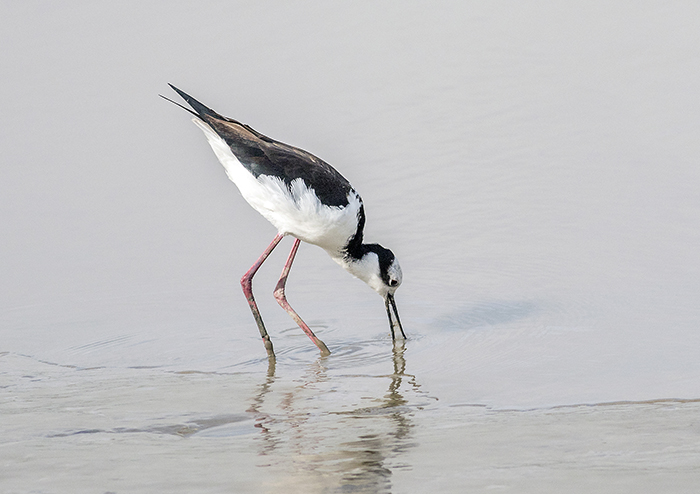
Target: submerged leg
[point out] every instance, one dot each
(282, 300)
(247, 284)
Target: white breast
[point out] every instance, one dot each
(294, 210)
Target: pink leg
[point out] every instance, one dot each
(282, 300)
(247, 284)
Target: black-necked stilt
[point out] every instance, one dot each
(302, 196)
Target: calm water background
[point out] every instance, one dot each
(535, 167)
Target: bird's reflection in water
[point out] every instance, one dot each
(315, 431)
(261, 418)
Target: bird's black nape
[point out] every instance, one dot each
(386, 259)
(354, 249)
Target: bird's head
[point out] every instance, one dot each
(379, 268)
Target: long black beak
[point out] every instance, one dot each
(394, 321)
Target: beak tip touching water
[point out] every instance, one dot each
(394, 321)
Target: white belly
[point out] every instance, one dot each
(297, 212)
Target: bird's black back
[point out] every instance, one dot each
(262, 155)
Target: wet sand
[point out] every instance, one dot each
(322, 430)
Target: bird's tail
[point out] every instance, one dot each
(206, 114)
(200, 110)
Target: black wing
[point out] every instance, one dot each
(262, 155)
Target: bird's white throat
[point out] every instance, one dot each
(367, 269)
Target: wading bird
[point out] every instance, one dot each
(302, 196)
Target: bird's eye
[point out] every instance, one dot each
(393, 282)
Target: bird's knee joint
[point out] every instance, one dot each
(246, 283)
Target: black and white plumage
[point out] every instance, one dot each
(302, 196)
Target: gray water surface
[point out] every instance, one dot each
(533, 166)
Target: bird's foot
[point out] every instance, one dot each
(268, 346)
(322, 346)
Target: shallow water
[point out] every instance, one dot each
(533, 167)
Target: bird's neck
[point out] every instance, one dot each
(364, 267)
(356, 264)
(353, 256)
(354, 250)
